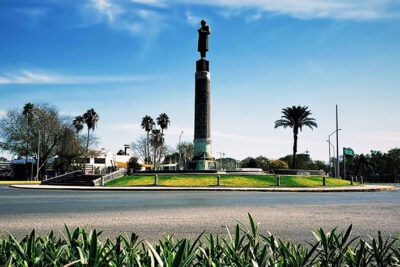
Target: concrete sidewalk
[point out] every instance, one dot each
(361, 188)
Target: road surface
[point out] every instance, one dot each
(291, 216)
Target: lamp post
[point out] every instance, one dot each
(220, 159)
(330, 159)
(330, 144)
(179, 144)
(337, 144)
(223, 156)
(38, 157)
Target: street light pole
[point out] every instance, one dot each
(330, 159)
(337, 144)
(38, 157)
(223, 156)
(334, 165)
(220, 159)
(179, 144)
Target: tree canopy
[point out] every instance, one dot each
(39, 127)
(296, 117)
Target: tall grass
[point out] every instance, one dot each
(245, 246)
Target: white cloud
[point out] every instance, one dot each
(156, 3)
(40, 77)
(107, 9)
(311, 9)
(191, 19)
(148, 17)
(126, 16)
(2, 113)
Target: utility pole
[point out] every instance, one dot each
(337, 144)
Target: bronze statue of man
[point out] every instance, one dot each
(204, 31)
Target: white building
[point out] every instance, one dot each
(104, 160)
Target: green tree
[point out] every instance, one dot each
(48, 130)
(296, 117)
(147, 125)
(157, 142)
(78, 123)
(303, 161)
(28, 109)
(263, 163)
(319, 165)
(248, 162)
(90, 118)
(133, 164)
(163, 121)
(363, 165)
(70, 151)
(278, 165)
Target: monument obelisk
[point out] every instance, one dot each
(202, 156)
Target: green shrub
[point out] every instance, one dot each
(244, 247)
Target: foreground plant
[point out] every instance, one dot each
(246, 246)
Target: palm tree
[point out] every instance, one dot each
(78, 123)
(157, 140)
(363, 164)
(28, 109)
(90, 118)
(27, 113)
(163, 121)
(296, 117)
(147, 125)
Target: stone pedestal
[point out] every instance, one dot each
(202, 159)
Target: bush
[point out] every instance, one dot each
(278, 165)
(244, 247)
(133, 164)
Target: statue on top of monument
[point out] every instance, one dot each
(204, 31)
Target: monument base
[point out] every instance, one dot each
(202, 165)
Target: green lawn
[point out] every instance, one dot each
(226, 180)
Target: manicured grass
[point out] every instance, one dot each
(226, 180)
(18, 182)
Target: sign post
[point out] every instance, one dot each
(347, 151)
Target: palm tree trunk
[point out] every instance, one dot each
(87, 141)
(154, 158)
(147, 148)
(295, 133)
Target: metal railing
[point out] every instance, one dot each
(109, 177)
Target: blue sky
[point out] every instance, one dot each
(130, 58)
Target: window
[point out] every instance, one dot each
(100, 160)
(83, 160)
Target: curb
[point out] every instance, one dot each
(364, 188)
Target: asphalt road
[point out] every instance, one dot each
(291, 216)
